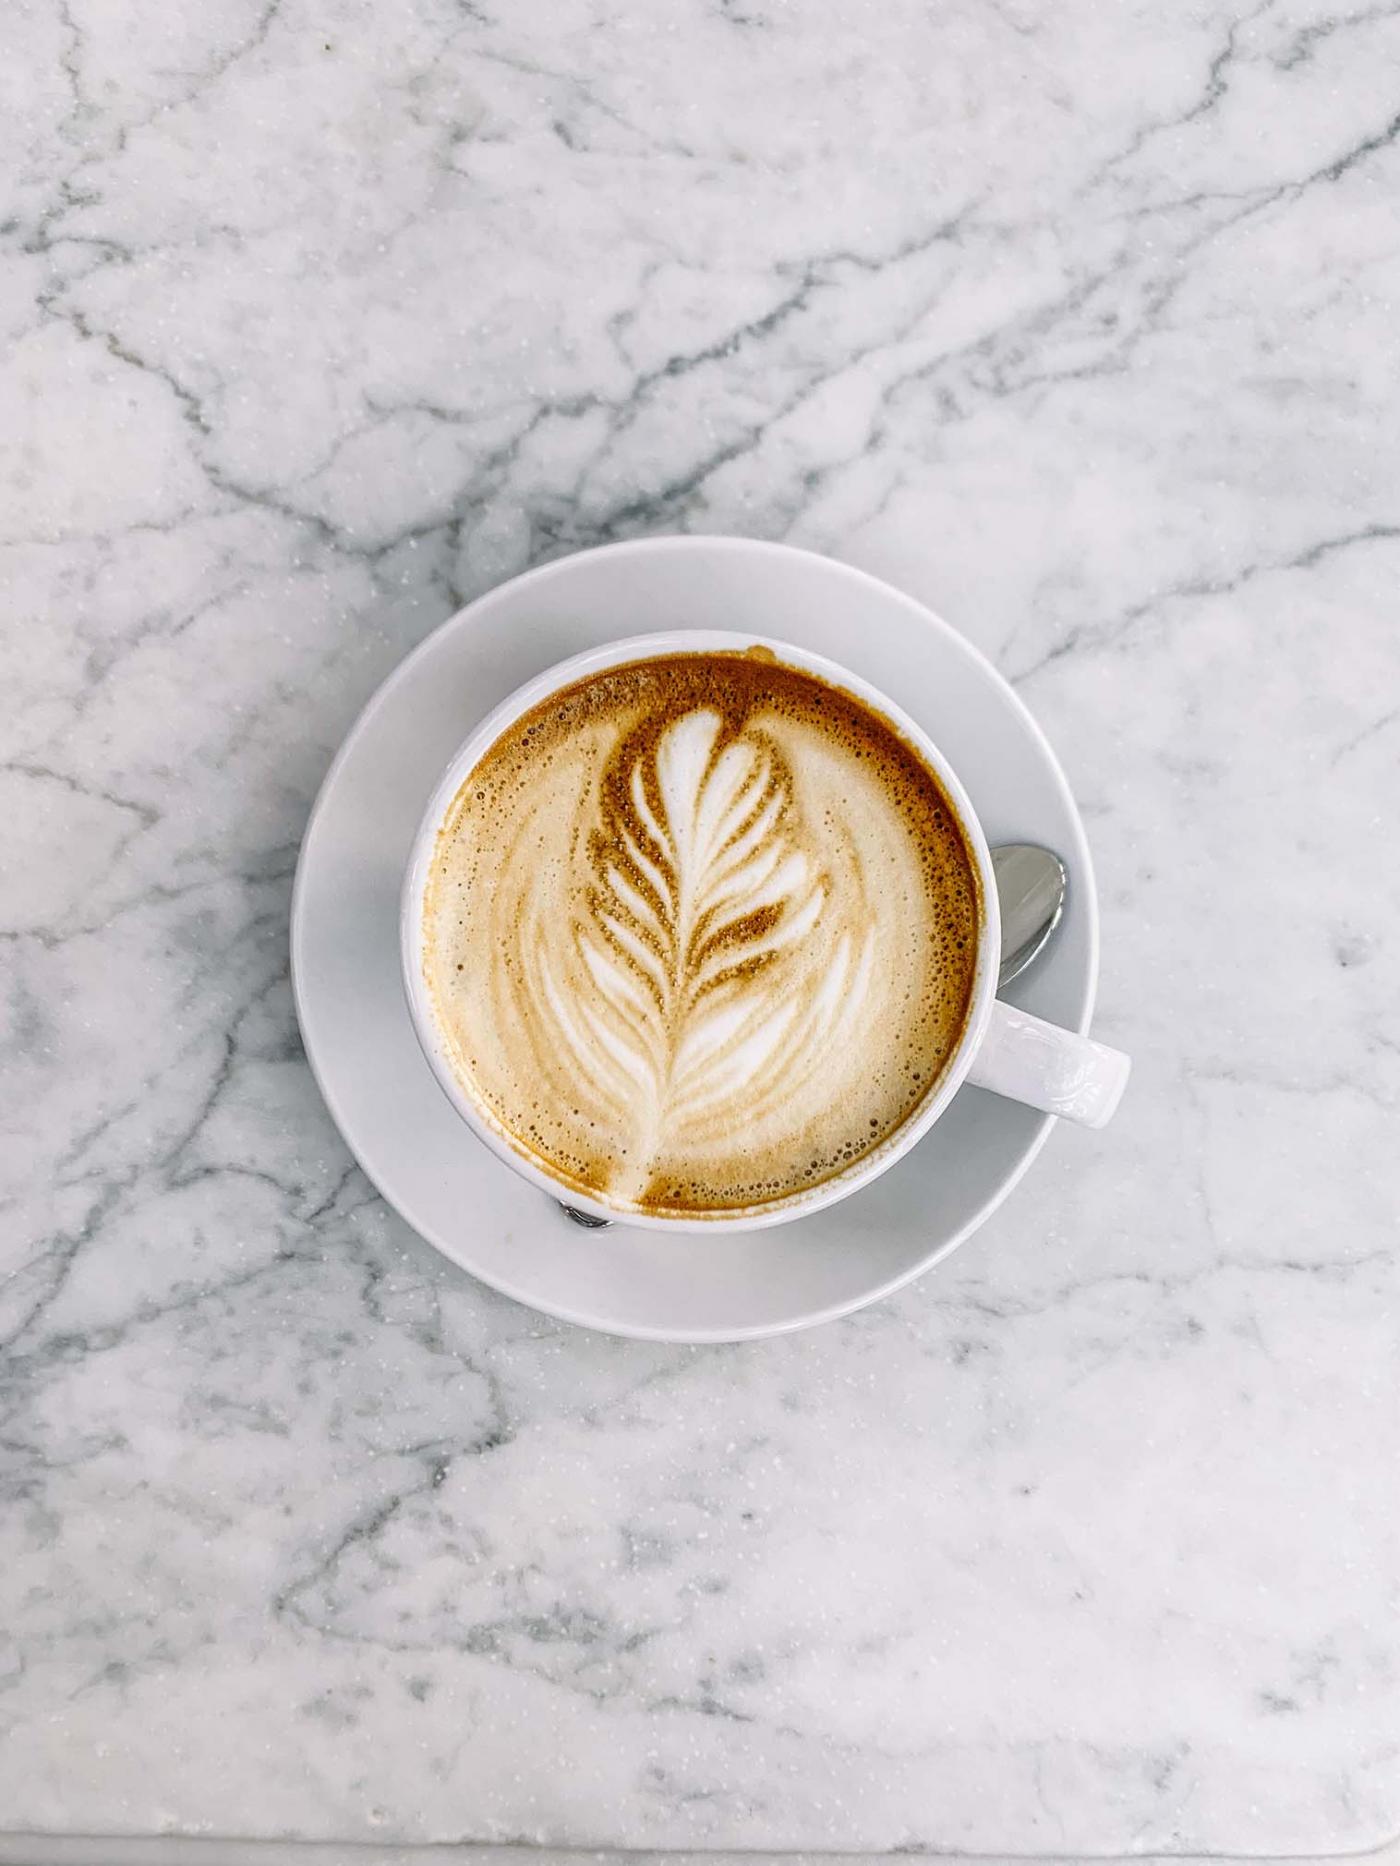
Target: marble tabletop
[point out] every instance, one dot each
(1078, 322)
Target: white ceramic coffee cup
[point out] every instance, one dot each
(1002, 1049)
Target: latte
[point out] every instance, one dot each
(700, 933)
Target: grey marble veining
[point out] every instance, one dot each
(1078, 322)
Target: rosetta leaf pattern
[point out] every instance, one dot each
(701, 901)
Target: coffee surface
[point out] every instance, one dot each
(700, 932)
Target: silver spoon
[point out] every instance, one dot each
(1031, 888)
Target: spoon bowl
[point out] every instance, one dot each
(1032, 884)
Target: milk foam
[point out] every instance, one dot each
(700, 933)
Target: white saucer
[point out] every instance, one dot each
(345, 966)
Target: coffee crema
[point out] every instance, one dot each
(700, 933)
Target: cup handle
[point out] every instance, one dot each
(1028, 1060)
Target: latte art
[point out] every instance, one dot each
(700, 932)
(711, 970)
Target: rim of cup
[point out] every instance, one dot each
(424, 1019)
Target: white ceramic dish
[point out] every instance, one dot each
(360, 1041)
